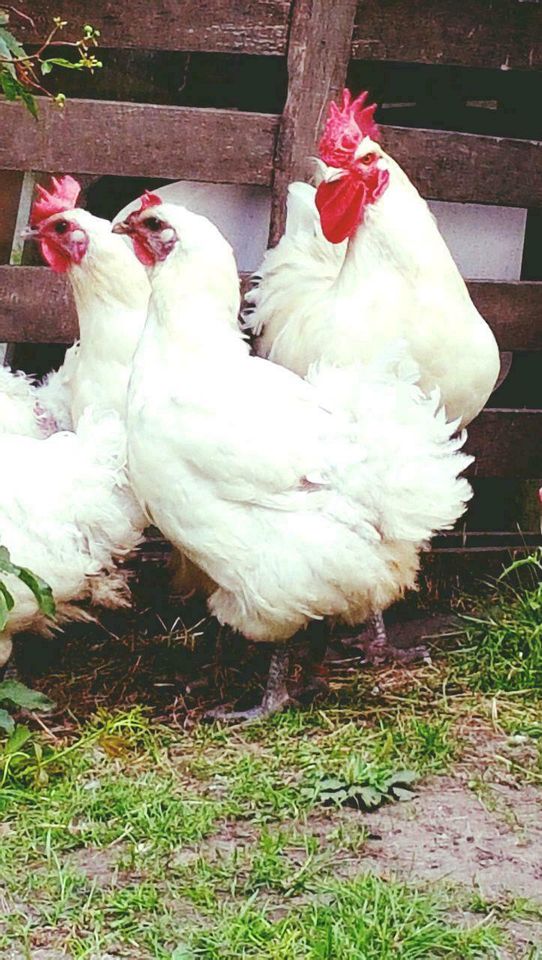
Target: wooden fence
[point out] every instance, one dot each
(319, 39)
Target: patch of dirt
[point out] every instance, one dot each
(447, 834)
(524, 935)
(99, 866)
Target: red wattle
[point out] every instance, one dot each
(142, 253)
(57, 260)
(340, 204)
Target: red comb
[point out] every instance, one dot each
(149, 200)
(62, 195)
(345, 128)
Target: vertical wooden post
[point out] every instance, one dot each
(319, 45)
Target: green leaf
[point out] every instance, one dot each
(11, 43)
(402, 793)
(41, 590)
(61, 62)
(18, 738)
(6, 722)
(30, 103)
(22, 696)
(11, 88)
(6, 604)
(404, 776)
(6, 566)
(330, 784)
(6, 55)
(10, 602)
(46, 67)
(370, 796)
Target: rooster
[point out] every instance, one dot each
(67, 512)
(300, 499)
(362, 263)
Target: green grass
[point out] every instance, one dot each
(503, 649)
(143, 842)
(366, 918)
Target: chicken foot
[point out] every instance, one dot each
(275, 698)
(380, 649)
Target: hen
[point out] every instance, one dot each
(299, 499)
(111, 293)
(379, 270)
(72, 526)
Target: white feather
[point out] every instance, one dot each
(67, 513)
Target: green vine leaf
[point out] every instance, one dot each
(7, 723)
(19, 695)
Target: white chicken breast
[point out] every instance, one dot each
(299, 499)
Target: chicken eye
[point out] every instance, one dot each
(368, 159)
(153, 223)
(61, 226)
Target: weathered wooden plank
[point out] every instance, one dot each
(319, 44)
(36, 306)
(495, 33)
(506, 443)
(513, 310)
(221, 26)
(465, 167)
(139, 140)
(504, 34)
(228, 147)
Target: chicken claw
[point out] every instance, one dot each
(275, 698)
(380, 650)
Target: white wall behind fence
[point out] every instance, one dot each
(486, 242)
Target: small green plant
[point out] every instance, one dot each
(21, 73)
(41, 590)
(365, 787)
(15, 694)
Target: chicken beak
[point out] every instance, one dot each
(29, 233)
(122, 227)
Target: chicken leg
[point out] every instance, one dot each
(275, 698)
(380, 649)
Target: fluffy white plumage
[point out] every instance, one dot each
(67, 510)
(394, 278)
(298, 499)
(18, 404)
(67, 513)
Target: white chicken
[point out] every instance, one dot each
(72, 525)
(299, 499)
(111, 292)
(362, 263)
(82, 517)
